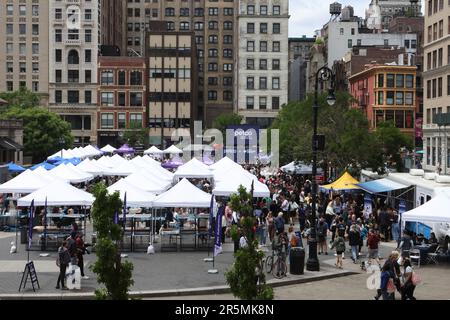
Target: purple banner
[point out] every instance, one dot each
(218, 233)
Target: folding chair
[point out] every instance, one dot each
(414, 254)
(432, 256)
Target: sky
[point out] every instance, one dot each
(310, 15)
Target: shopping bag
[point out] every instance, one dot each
(416, 279)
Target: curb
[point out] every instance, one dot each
(169, 293)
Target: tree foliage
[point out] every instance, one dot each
(115, 275)
(42, 131)
(226, 119)
(136, 135)
(349, 143)
(22, 98)
(245, 278)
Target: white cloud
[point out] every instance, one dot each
(310, 15)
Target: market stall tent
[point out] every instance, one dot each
(136, 197)
(235, 179)
(345, 182)
(173, 150)
(153, 150)
(58, 194)
(435, 210)
(108, 149)
(148, 183)
(67, 172)
(183, 194)
(25, 182)
(223, 163)
(193, 169)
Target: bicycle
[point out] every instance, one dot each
(280, 268)
(269, 262)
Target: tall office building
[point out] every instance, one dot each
(24, 46)
(261, 84)
(73, 52)
(436, 80)
(113, 24)
(213, 23)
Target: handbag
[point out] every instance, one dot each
(416, 279)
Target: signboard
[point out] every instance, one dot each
(242, 143)
(29, 271)
(367, 206)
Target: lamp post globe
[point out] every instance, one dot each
(324, 74)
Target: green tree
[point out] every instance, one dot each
(136, 135)
(42, 131)
(226, 119)
(245, 278)
(390, 141)
(22, 98)
(115, 275)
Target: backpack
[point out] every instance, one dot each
(279, 225)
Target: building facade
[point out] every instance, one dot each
(172, 84)
(121, 96)
(382, 12)
(436, 80)
(261, 86)
(11, 141)
(299, 60)
(73, 53)
(24, 41)
(213, 23)
(113, 24)
(386, 93)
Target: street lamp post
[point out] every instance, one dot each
(322, 75)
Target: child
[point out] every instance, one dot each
(339, 244)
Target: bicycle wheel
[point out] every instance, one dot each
(269, 264)
(280, 269)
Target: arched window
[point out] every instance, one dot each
(73, 57)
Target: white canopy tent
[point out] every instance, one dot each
(108, 149)
(26, 182)
(299, 168)
(64, 154)
(193, 169)
(155, 165)
(224, 163)
(173, 150)
(67, 172)
(58, 194)
(90, 151)
(151, 169)
(106, 162)
(153, 150)
(124, 169)
(41, 172)
(235, 179)
(91, 167)
(148, 183)
(136, 197)
(223, 173)
(435, 210)
(118, 159)
(183, 194)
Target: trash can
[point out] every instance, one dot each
(296, 260)
(23, 235)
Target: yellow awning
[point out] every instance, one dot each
(345, 182)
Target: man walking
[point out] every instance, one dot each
(62, 261)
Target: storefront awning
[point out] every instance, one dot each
(381, 185)
(8, 144)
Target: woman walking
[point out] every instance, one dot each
(339, 244)
(407, 290)
(353, 240)
(270, 226)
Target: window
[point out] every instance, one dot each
(353, 31)
(22, 48)
(441, 28)
(263, 10)
(73, 76)
(429, 89)
(121, 121)
(276, 10)
(276, 64)
(390, 81)
(88, 35)
(213, 11)
(380, 98)
(263, 46)
(250, 83)
(276, 28)
(275, 103)
(440, 57)
(9, 29)
(386, 42)
(58, 96)
(87, 76)
(107, 120)
(227, 81)
(23, 10)
(35, 29)
(250, 10)
(9, 9)
(72, 34)
(212, 95)
(341, 31)
(390, 97)
(228, 11)
(250, 46)
(35, 48)
(88, 14)
(136, 78)
(227, 53)
(198, 26)
(409, 81)
(88, 97)
(227, 39)
(121, 76)
(198, 12)
(434, 88)
(380, 80)
(107, 78)
(250, 103)
(439, 87)
(87, 55)
(399, 98)
(9, 67)
(184, 25)
(136, 119)
(250, 28)
(409, 98)
(35, 67)
(227, 67)
(263, 64)
(349, 44)
(276, 46)
(121, 99)
(9, 48)
(276, 83)
(58, 55)
(262, 83)
(228, 25)
(213, 39)
(136, 99)
(22, 29)
(73, 96)
(263, 103)
(184, 12)
(263, 27)
(212, 66)
(72, 57)
(170, 12)
(400, 81)
(213, 81)
(107, 99)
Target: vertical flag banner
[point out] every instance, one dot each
(124, 210)
(44, 221)
(211, 216)
(30, 224)
(401, 211)
(367, 206)
(116, 218)
(218, 233)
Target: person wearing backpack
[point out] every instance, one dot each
(279, 223)
(339, 244)
(321, 231)
(353, 240)
(62, 261)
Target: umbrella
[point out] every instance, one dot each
(125, 149)
(12, 167)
